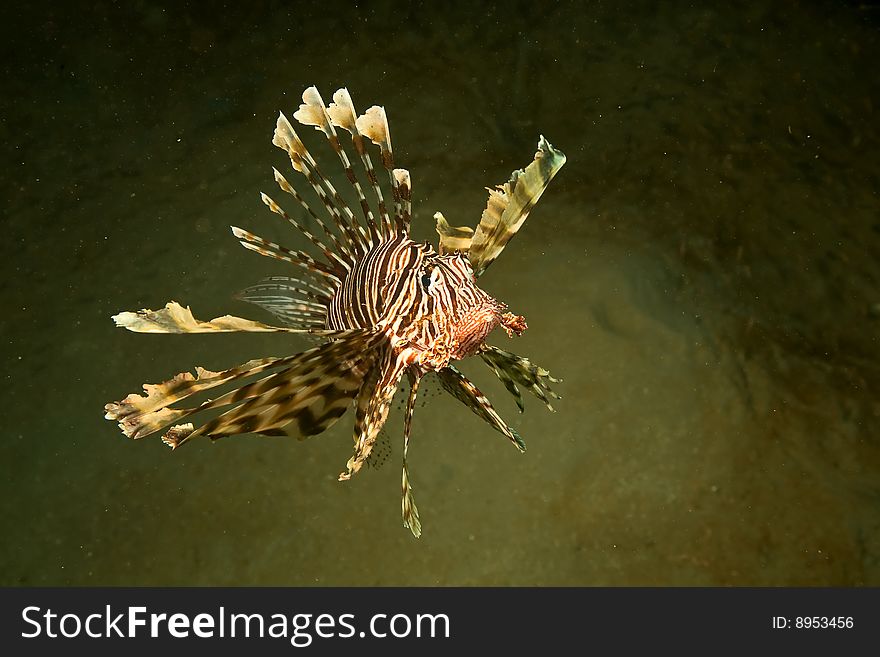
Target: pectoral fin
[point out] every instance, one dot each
(304, 397)
(373, 404)
(174, 318)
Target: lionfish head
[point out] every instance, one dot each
(457, 315)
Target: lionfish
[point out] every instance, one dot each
(383, 306)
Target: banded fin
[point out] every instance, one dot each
(142, 415)
(452, 239)
(373, 404)
(340, 265)
(287, 187)
(299, 258)
(313, 112)
(509, 206)
(311, 392)
(512, 370)
(343, 115)
(373, 124)
(174, 318)
(456, 384)
(276, 295)
(362, 404)
(404, 187)
(408, 507)
(286, 139)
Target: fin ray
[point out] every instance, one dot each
(278, 298)
(373, 124)
(174, 318)
(373, 402)
(458, 385)
(285, 138)
(408, 507)
(309, 394)
(509, 205)
(142, 415)
(452, 239)
(299, 258)
(313, 112)
(512, 370)
(342, 114)
(340, 265)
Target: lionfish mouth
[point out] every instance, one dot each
(472, 330)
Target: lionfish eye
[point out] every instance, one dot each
(426, 281)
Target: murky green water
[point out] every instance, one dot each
(703, 274)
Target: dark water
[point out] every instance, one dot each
(703, 274)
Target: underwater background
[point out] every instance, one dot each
(704, 274)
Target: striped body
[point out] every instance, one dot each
(429, 306)
(384, 306)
